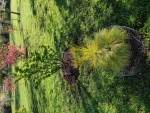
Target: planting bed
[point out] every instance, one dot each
(69, 71)
(138, 52)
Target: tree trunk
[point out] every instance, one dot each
(7, 11)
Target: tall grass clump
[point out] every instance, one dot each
(107, 50)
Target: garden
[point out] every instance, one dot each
(75, 56)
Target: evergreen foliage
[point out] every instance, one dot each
(40, 65)
(108, 50)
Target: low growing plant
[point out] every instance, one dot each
(107, 50)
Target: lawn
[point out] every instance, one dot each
(59, 23)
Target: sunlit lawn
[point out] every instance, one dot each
(28, 31)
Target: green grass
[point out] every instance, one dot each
(57, 23)
(30, 32)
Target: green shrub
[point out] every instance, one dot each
(108, 51)
(40, 65)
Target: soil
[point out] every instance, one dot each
(138, 52)
(70, 72)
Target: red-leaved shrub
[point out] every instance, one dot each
(13, 52)
(9, 54)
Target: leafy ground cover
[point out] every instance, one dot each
(59, 23)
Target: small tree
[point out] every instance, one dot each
(108, 50)
(40, 65)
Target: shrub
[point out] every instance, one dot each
(9, 54)
(12, 54)
(40, 65)
(108, 50)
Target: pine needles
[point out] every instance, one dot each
(108, 51)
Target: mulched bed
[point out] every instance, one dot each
(69, 71)
(137, 59)
(138, 52)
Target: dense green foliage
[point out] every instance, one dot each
(108, 51)
(41, 65)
